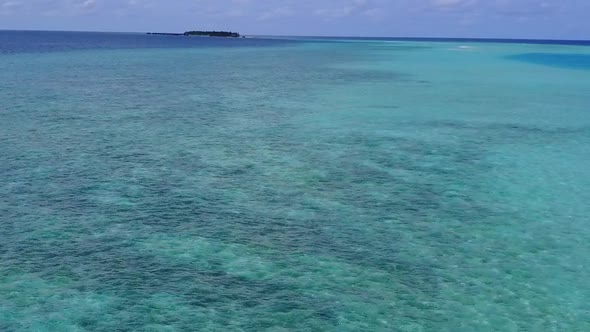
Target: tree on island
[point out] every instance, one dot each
(212, 33)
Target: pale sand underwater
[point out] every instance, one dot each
(264, 185)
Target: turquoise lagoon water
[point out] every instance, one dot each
(166, 184)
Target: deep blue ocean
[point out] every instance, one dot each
(168, 183)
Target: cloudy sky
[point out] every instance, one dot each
(436, 18)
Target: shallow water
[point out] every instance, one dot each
(267, 185)
(564, 60)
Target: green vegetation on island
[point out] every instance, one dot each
(213, 33)
(200, 33)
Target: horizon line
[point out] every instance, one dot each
(324, 36)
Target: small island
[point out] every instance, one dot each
(200, 34)
(213, 34)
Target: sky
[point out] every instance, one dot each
(559, 19)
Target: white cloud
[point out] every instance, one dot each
(373, 12)
(447, 2)
(452, 4)
(354, 7)
(9, 7)
(276, 13)
(10, 4)
(88, 4)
